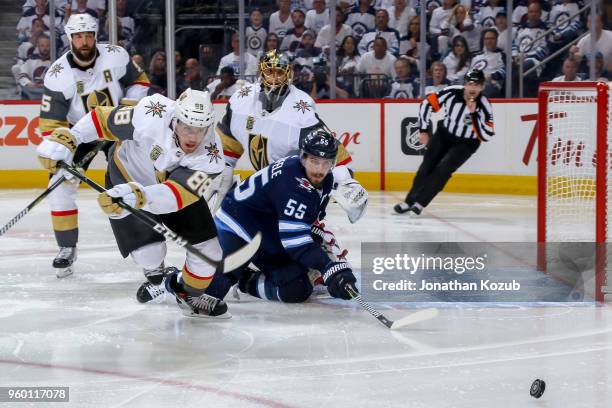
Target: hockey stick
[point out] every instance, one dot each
(230, 262)
(22, 213)
(393, 325)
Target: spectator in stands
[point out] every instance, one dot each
(40, 11)
(460, 24)
(405, 86)
(410, 45)
(569, 71)
(233, 59)
(378, 61)
(271, 43)
(438, 16)
(501, 26)
(382, 29)
(28, 48)
(348, 56)
(492, 62)
(361, 18)
(601, 74)
(126, 21)
(317, 17)
(157, 73)
(99, 6)
(208, 62)
(60, 6)
(32, 72)
(325, 35)
(565, 30)
(191, 78)
(139, 61)
(602, 45)
(82, 7)
(399, 15)
(280, 20)
(321, 86)
(225, 86)
(521, 10)
(347, 62)
(293, 37)
(487, 14)
(457, 62)
(533, 53)
(438, 79)
(307, 48)
(255, 33)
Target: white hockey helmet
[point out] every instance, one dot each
(194, 108)
(81, 23)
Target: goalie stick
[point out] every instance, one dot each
(413, 318)
(89, 156)
(230, 262)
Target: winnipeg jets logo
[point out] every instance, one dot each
(302, 106)
(212, 151)
(244, 91)
(305, 184)
(111, 48)
(56, 70)
(155, 109)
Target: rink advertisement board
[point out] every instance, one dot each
(381, 136)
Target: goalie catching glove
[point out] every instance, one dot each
(337, 276)
(352, 197)
(60, 146)
(218, 189)
(131, 193)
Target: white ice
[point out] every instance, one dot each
(88, 332)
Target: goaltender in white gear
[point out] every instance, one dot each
(166, 156)
(268, 120)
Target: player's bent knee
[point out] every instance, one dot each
(296, 291)
(149, 256)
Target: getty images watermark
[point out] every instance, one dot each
(476, 272)
(455, 264)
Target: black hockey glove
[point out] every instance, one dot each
(337, 276)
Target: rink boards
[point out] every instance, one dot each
(379, 134)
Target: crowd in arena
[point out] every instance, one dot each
(377, 44)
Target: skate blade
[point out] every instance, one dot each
(63, 272)
(189, 313)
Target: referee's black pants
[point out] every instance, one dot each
(444, 155)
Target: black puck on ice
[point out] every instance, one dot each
(537, 388)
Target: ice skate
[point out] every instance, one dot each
(63, 262)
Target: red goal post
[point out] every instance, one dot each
(573, 182)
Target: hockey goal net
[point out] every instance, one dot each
(574, 180)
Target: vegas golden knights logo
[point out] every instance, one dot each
(100, 97)
(258, 151)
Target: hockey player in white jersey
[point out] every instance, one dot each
(88, 75)
(166, 151)
(267, 119)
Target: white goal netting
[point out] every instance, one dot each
(577, 136)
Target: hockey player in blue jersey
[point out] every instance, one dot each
(283, 201)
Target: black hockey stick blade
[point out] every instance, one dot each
(243, 255)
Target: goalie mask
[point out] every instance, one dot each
(275, 76)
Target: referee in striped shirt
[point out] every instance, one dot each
(468, 122)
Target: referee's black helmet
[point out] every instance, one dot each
(474, 75)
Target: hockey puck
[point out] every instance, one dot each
(537, 388)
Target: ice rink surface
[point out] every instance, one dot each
(88, 332)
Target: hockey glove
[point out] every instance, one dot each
(215, 194)
(352, 197)
(60, 146)
(337, 276)
(328, 241)
(131, 193)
